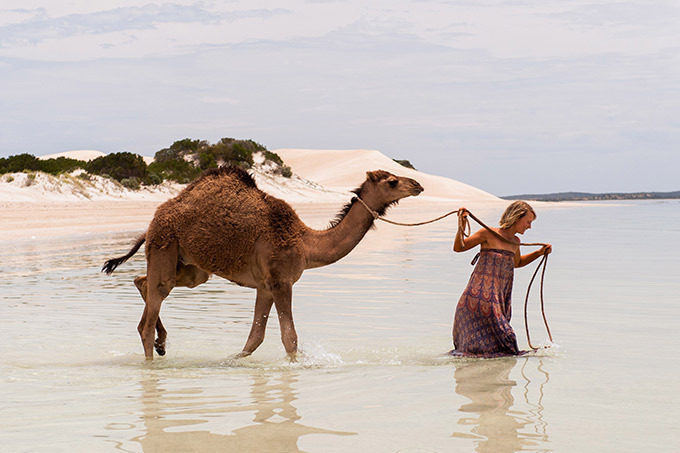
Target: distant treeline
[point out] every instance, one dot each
(181, 162)
(404, 163)
(584, 196)
(28, 162)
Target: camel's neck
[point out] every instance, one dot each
(328, 246)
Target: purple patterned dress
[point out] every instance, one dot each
(481, 327)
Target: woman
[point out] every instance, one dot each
(481, 327)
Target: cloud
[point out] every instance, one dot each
(634, 14)
(32, 28)
(219, 100)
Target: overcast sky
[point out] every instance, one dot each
(509, 96)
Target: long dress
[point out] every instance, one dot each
(481, 327)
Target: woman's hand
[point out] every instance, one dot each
(463, 222)
(462, 232)
(547, 249)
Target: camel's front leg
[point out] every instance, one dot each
(283, 299)
(263, 305)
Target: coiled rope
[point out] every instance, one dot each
(464, 226)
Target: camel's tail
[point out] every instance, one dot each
(113, 263)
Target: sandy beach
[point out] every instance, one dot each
(52, 207)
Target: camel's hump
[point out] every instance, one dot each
(232, 172)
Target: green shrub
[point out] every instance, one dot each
(207, 160)
(60, 165)
(30, 179)
(182, 162)
(153, 179)
(27, 162)
(178, 170)
(118, 166)
(179, 149)
(19, 163)
(273, 157)
(185, 159)
(131, 183)
(404, 163)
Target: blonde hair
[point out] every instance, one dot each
(514, 212)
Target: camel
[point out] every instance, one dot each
(223, 224)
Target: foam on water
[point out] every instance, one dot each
(548, 349)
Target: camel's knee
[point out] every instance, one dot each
(140, 283)
(164, 287)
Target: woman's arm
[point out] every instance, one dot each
(461, 243)
(531, 257)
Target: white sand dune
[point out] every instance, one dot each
(343, 170)
(320, 176)
(86, 155)
(81, 154)
(42, 187)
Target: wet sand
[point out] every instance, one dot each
(23, 220)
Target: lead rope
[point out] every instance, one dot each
(464, 226)
(543, 262)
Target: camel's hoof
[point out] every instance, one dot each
(160, 348)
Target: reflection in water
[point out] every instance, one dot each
(499, 424)
(275, 424)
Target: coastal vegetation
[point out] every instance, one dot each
(181, 162)
(404, 163)
(585, 196)
(27, 162)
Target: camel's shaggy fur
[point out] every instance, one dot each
(225, 200)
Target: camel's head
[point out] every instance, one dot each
(381, 190)
(387, 188)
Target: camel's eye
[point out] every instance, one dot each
(393, 183)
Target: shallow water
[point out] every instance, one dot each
(373, 329)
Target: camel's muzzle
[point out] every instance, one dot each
(416, 188)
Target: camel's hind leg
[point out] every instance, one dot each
(161, 278)
(159, 344)
(187, 275)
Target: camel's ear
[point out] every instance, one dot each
(377, 175)
(372, 176)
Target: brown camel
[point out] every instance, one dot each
(223, 224)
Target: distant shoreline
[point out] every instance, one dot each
(584, 196)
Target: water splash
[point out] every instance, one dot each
(316, 355)
(547, 349)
